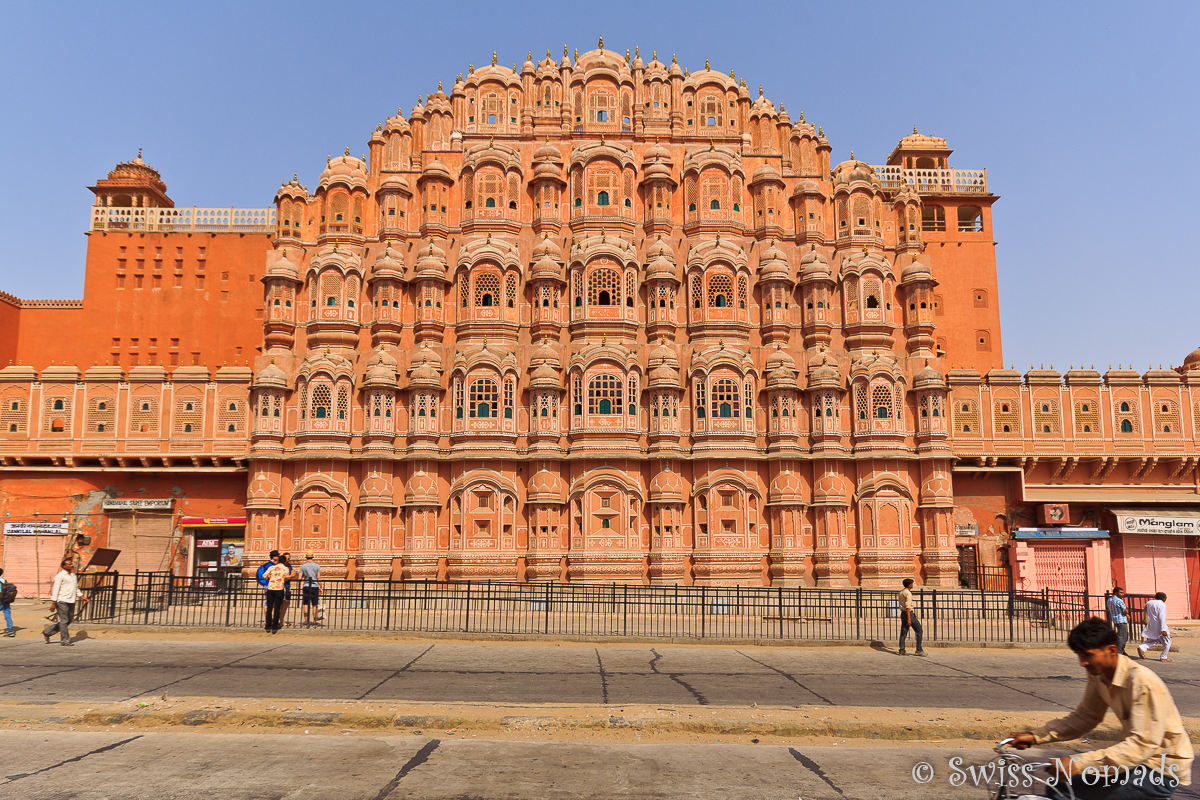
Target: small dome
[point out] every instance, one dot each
(394, 182)
(773, 264)
(545, 487)
(547, 152)
(431, 261)
(813, 264)
(547, 247)
(928, 378)
(283, 268)
(1193, 360)
(766, 173)
(664, 377)
(780, 358)
(916, 271)
(657, 152)
(666, 487)
(381, 369)
(545, 376)
(271, 375)
(345, 168)
(422, 490)
(390, 264)
(396, 124)
(807, 187)
(785, 488)
(436, 169)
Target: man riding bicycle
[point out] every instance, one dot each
(1154, 755)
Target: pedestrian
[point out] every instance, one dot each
(276, 576)
(286, 560)
(6, 606)
(1156, 630)
(310, 588)
(63, 594)
(272, 557)
(1154, 754)
(908, 619)
(1120, 617)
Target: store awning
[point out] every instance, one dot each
(1173, 521)
(1060, 533)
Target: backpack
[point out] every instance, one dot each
(8, 593)
(261, 570)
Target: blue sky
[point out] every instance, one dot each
(1084, 114)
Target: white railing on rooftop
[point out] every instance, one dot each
(934, 181)
(208, 220)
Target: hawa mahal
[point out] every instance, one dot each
(596, 318)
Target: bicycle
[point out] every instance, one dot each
(1011, 775)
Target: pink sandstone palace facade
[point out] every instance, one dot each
(594, 319)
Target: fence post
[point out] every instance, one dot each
(1012, 601)
(703, 606)
(229, 604)
(112, 601)
(858, 613)
(935, 615)
(625, 610)
(781, 612)
(387, 618)
(549, 592)
(467, 623)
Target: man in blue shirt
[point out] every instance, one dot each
(1119, 615)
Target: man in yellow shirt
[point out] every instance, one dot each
(1153, 757)
(908, 619)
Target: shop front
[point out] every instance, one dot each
(217, 548)
(1155, 550)
(1061, 560)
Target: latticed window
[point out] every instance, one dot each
(691, 194)
(899, 403)
(577, 188)
(510, 290)
(463, 293)
(303, 392)
(604, 286)
(725, 399)
(881, 402)
(602, 186)
(351, 291)
(490, 190)
(630, 291)
(871, 293)
(741, 291)
(1007, 416)
(322, 401)
(514, 190)
(720, 291)
(860, 401)
(102, 415)
(231, 416)
(1045, 416)
(749, 400)
(966, 418)
(710, 111)
(14, 416)
(577, 394)
(484, 397)
(862, 212)
(715, 195)
(487, 289)
(389, 400)
(851, 293)
(1166, 416)
(633, 395)
(737, 194)
(628, 193)
(843, 214)
(508, 398)
(331, 290)
(189, 415)
(1087, 417)
(458, 399)
(604, 394)
(696, 291)
(343, 403)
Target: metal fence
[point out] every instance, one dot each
(602, 610)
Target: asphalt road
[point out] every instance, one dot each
(131, 766)
(103, 671)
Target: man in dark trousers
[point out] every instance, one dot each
(276, 576)
(908, 619)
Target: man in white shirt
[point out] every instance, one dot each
(63, 595)
(1156, 630)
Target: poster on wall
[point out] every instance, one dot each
(231, 554)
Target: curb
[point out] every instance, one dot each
(418, 724)
(111, 628)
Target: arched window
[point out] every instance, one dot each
(715, 205)
(484, 398)
(604, 285)
(604, 394)
(602, 197)
(489, 203)
(487, 289)
(720, 291)
(1125, 406)
(58, 405)
(1126, 425)
(726, 402)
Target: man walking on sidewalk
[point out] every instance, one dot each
(1156, 630)
(908, 619)
(63, 595)
(1120, 617)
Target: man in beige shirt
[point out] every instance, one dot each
(908, 619)
(63, 594)
(1153, 757)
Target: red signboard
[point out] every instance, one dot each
(194, 522)
(208, 543)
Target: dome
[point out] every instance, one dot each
(421, 490)
(807, 187)
(657, 152)
(547, 247)
(394, 182)
(396, 124)
(785, 488)
(813, 264)
(545, 487)
(666, 487)
(824, 374)
(345, 168)
(1192, 361)
(773, 264)
(916, 271)
(431, 261)
(664, 377)
(544, 353)
(436, 169)
(283, 268)
(547, 152)
(381, 369)
(545, 376)
(271, 375)
(829, 489)
(390, 264)
(766, 173)
(928, 378)
(780, 358)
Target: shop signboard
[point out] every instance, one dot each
(138, 505)
(37, 528)
(1133, 522)
(202, 543)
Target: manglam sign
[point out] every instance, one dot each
(1180, 526)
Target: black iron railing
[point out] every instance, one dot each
(601, 610)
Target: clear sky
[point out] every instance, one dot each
(1084, 114)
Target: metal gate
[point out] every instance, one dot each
(1061, 567)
